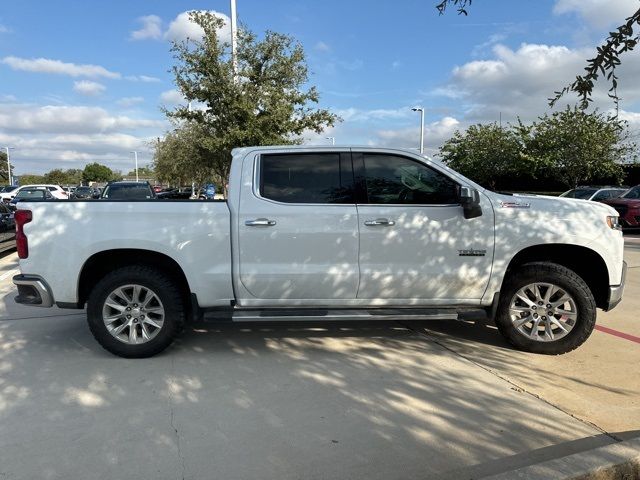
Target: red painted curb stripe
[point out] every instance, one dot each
(616, 333)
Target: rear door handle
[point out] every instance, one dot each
(260, 222)
(379, 222)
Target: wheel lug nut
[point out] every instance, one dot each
(128, 309)
(128, 316)
(548, 305)
(534, 307)
(544, 318)
(135, 305)
(141, 316)
(540, 303)
(535, 315)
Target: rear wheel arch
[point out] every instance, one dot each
(585, 262)
(100, 264)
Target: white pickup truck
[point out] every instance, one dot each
(315, 233)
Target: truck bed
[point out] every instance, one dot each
(196, 234)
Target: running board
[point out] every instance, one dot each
(272, 315)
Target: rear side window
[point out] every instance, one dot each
(307, 178)
(127, 192)
(52, 189)
(391, 179)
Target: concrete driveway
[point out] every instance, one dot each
(305, 401)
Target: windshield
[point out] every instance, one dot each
(128, 192)
(582, 193)
(633, 193)
(30, 194)
(8, 188)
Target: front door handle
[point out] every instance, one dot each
(260, 222)
(383, 222)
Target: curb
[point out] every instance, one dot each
(619, 461)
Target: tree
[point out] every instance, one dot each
(3, 168)
(31, 179)
(146, 171)
(180, 157)
(575, 146)
(263, 99)
(95, 172)
(622, 40)
(58, 176)
(485, 153)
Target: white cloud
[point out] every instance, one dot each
(130, 101)
(142, 78)
(46, 65)
(88, 88)
(598, 13)
(4, 29)
(67, 119)
(151, 28)
(182, 28)
(435, 134)
(322, 47)
(519, 82)
(172, 97)
(360, 115)
(7, 98)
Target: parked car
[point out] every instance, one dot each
(628, 207)
(174, 194)
(31, 193)
(86, 192)
(56, 191)
(596, 194)
(7, 191)
(128, 191)
(326, 233)
(7, 228)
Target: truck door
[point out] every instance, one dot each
(297, 228)
(416, 247)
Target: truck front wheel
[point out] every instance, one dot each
(545, 308)
(135, 311)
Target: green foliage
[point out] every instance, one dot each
(484, 153)
(265, 102)
(72, 176)
(95, 172)
(570, 146)
(621, 40)
(31, 179)
(146, 171)
(578, 147)
(4, 178)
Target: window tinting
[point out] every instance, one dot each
(397, 180)
(128, 192)
(307, 178)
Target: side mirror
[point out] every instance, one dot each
(470, 201)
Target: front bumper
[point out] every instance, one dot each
(615, 291)
(33, 290)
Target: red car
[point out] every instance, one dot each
(628, 206)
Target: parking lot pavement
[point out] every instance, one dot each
(328, 400)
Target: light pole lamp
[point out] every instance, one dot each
(7, 149)
(421, 110)
(135, 156)
(333, 140)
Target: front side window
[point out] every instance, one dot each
(306, 178)
(391, 179)
(634, 193)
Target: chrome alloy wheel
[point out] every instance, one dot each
(133, 314)
(543, 312)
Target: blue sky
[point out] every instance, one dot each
(78, 84)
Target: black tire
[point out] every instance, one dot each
(149, 277)
(564, 278)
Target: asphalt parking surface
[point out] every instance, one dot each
(386, 400)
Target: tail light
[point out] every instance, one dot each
(22, 217)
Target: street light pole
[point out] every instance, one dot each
(135, 156)
(333, 140)
(421, 110)
(234, 39)
(7, 149)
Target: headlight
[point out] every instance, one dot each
(614, 222)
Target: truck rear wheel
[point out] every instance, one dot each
(545, 308)
(135, 311)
